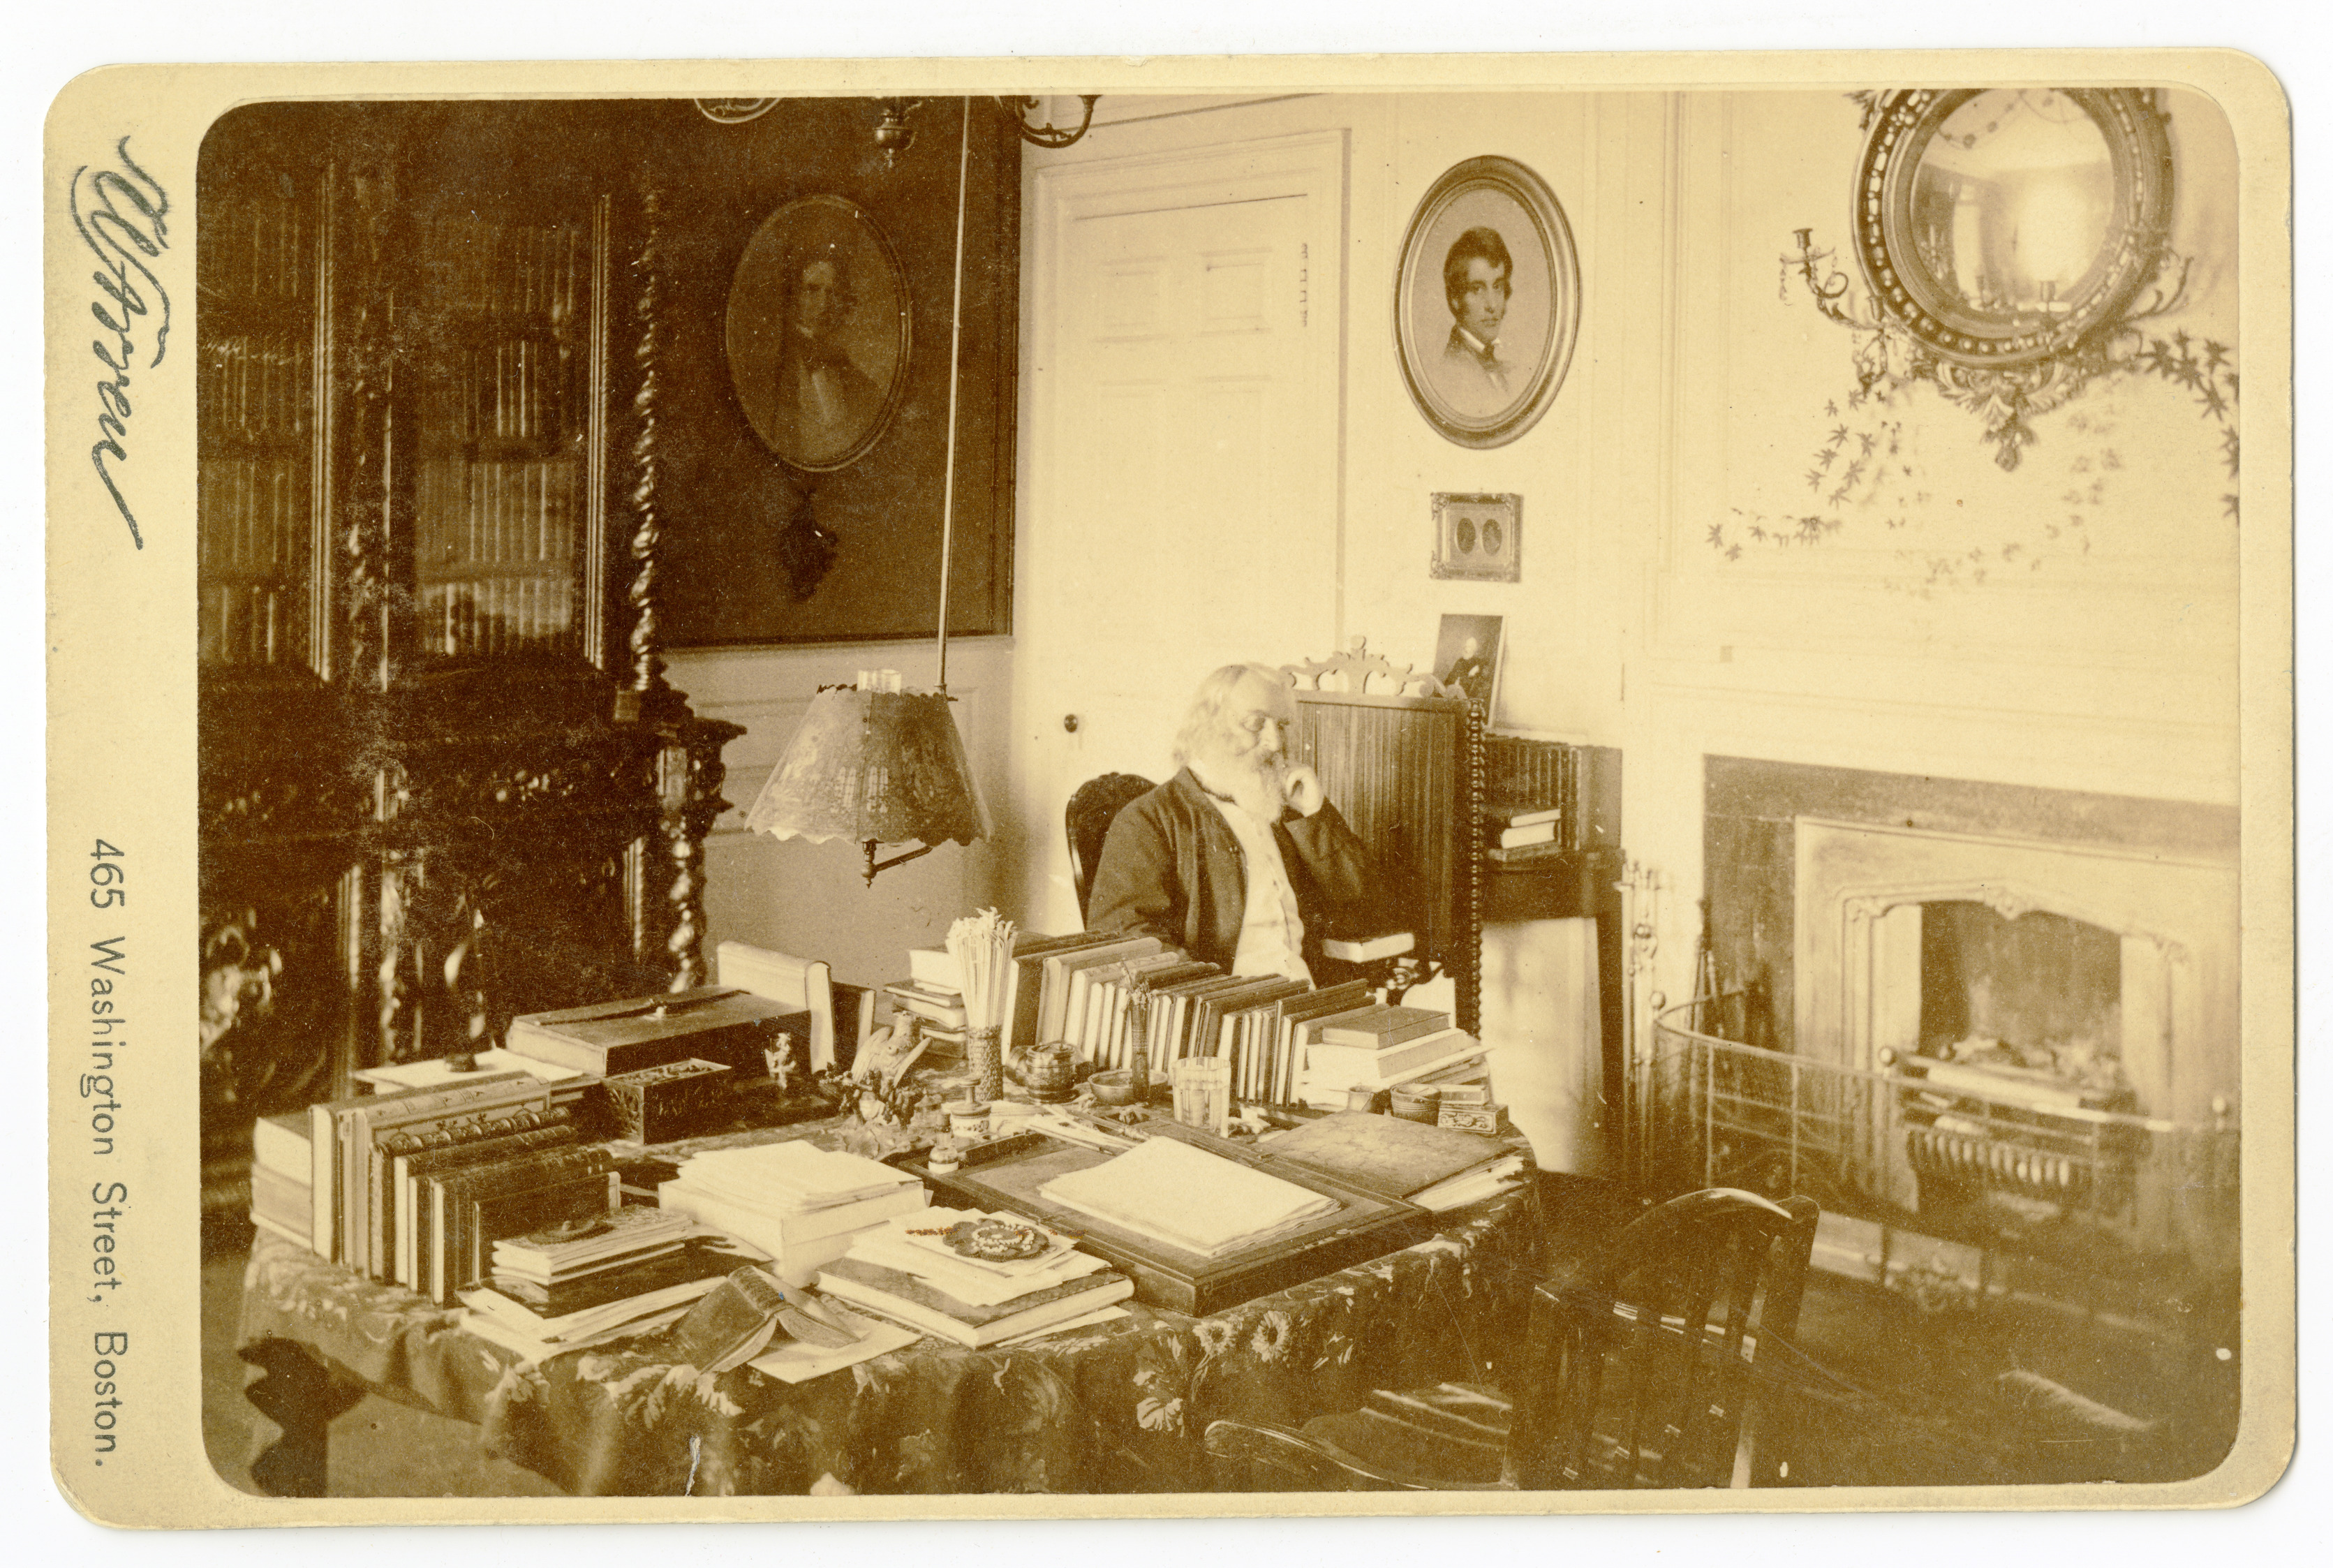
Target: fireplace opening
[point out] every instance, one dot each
(2041, 993)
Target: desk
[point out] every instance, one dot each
(1117, 1408)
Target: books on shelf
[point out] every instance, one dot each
(1522, 854)
(1432, 1166)
(1187, 1198)
(1512, 815)
(1539, 833)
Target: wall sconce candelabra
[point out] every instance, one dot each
(1049, 134)
(895, 136)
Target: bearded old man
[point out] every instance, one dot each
(1239, 860)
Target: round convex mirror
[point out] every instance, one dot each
(2000, 226)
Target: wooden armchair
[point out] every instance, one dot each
(1638, 1371)
(1091, 809)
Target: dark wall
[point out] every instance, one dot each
(724, 496)
(1749, 848)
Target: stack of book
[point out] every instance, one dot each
(568, 1291)
(799, 1204)
(932, 992)
(1514, 833)
(460, 1201)
(1432, 1166)
(282, 1174)
(1377, 1046)
(416, 1185)
(976, 1279)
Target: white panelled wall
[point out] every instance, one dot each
(1697, 396)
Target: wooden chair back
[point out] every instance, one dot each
(1639, 1367)
(1087, 819)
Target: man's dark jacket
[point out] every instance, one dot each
(1172, 868)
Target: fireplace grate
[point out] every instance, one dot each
(1962, 1153)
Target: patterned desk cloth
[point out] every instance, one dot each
(1119, 1406)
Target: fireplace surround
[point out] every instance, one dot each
(1830, 893)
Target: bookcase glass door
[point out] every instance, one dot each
(258, 458)
(504, 373)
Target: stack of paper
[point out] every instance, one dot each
(1188, 1199)
(797, 1202)
(946, 1272)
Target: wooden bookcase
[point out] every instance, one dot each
(443, 780)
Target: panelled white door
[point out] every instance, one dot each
(1184, 508)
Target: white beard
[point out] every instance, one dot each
(1254, 780)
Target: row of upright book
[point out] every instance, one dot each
(1286, 1043)
(414, 1186)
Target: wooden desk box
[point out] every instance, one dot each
(1364, 1224)
(712, 1023)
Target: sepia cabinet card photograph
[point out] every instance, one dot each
(691, 705)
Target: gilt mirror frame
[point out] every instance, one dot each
(1904, 126)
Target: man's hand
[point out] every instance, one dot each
(1302, 787)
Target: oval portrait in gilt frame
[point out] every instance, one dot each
(818, 333)
(1486, 304)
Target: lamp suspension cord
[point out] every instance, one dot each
(956, 350)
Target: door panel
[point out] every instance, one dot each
(1189, 514)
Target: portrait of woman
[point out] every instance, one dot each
(818, 333)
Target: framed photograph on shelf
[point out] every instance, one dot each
(1466, 655)
(1486, 303)
(818, 330)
